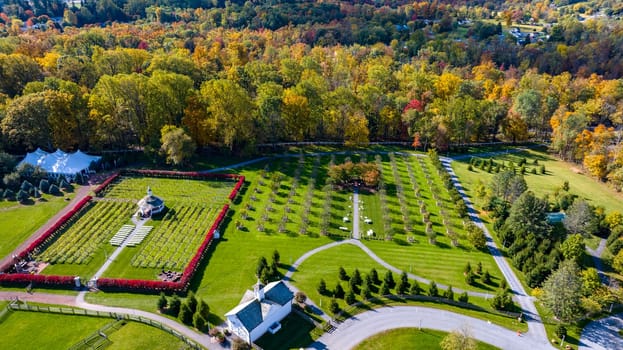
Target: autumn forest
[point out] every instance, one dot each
(117, 74)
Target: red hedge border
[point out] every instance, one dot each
(130, 284)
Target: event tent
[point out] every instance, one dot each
(60, 163)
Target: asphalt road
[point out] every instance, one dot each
(356, 329)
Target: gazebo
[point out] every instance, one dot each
(150, 204)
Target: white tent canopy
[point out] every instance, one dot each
(60, 163)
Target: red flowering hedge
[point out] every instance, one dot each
(106, 183)
(120, 284)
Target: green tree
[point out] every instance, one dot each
(415, 288)
(334, 308)
(573, 247)
(508, 186)
(356, 278)
(374, 276)
(562, 292)
(403, 285)
(590, 281)
(203, 309)
(476, 236)
(175, 305)
(579, 218)
(350, 297)
(162, 302)
(16, 70)
(433, 291)
(449, 293)
(384, 290)
(261, 265)
(389, 279)
(322, 287)
(231, 114)
(186, 314)
(176, 145)
(527, 216)
(338, 292)
(460, 339)
(191, 300)
(502, 300)
(199, 322)
(342, 274)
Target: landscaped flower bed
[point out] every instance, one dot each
(119, 284)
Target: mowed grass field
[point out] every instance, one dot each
(557, 172)
(20, 221)
(34, 330)
(409, 338)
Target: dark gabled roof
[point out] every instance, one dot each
(278, 292)
(250, 315)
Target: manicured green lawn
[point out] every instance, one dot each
(409, 338)
(20, 221)
(295, 333)
(442, 263)
(557, 172)
(34, 330)
(135, 335)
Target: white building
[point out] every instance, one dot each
(260, 311)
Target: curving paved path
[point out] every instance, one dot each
(536, 330)
(357, 328)
(603, 334)
(596, 255)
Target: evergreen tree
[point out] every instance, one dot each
(203, 309)
(338, 292)
(415, 288)
(334, 307)
(486, 278)
(174, 305)
(463, 297)
(322, 287)
(449, 293)
(199, 322)
(384, 289)
(276, 257)
(356, 277)
(342, 274)
(191, 300)
(162, 302)
(374, 276)
(389, 280)
(350, 297)
(432, 289)
(185, 315)
(261, 265)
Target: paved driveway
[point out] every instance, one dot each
(356, 329)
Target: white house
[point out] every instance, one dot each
(260, 311)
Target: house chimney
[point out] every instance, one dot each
(258, 290)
